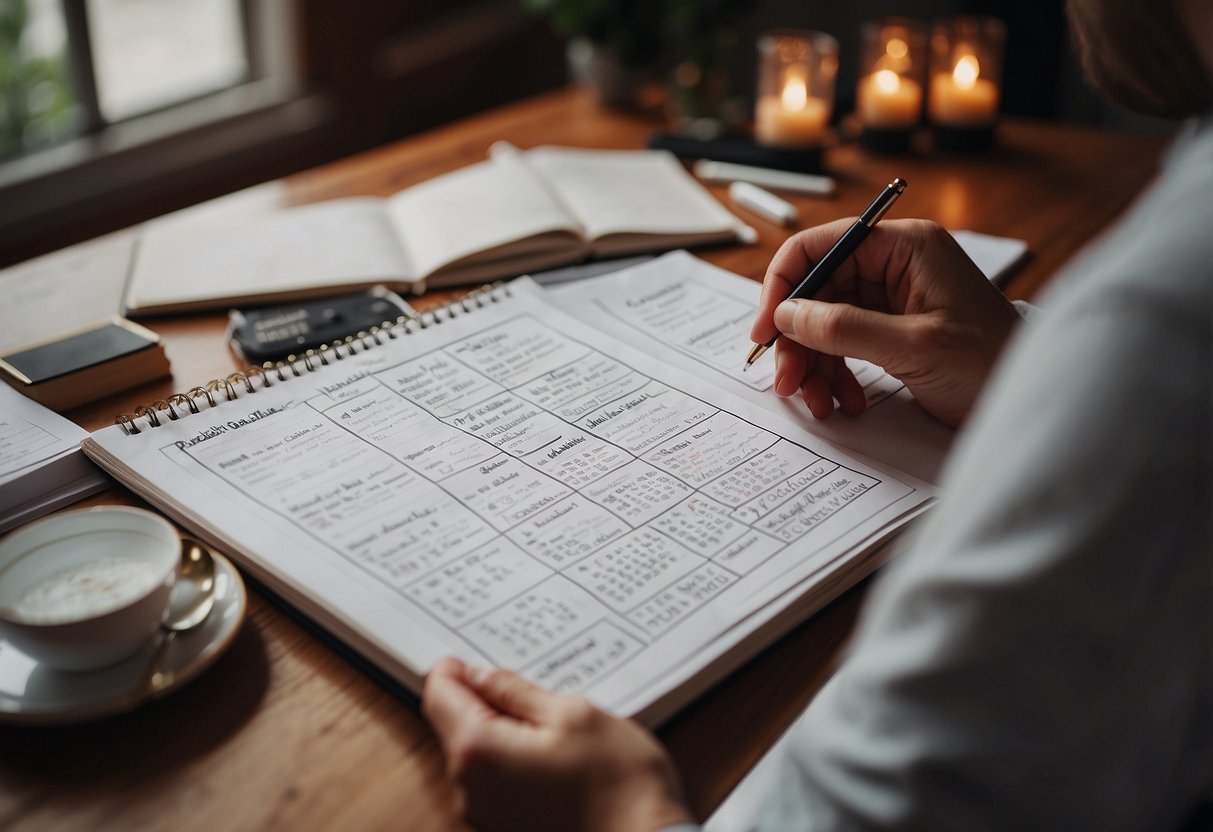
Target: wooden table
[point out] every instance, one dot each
(283, 732)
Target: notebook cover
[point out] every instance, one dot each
(72, 353)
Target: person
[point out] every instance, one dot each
(1041, 659)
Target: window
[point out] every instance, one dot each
(105, 105)
(115, 111)
(37, 105)
(73, 67)
(148, 54)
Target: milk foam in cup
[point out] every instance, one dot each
(84, 589)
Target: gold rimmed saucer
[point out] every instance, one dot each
(33, 694)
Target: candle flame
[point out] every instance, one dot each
(887, 81)
(966, 72)
(795, 92)
(896, 48)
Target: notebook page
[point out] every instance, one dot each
(338, 241)
(41, 467)
(697, 316)
(516, 489)
(622, 191)
(995, 256)
(478, 209)
(31, 435)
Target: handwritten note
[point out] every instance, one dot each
(31, 435)
(705, 320)
(697, 317)
(41, 467)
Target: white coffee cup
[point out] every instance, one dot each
(84, 589)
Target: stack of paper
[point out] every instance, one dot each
(41, 466)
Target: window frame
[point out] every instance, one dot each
(44, 191)
(324, 83)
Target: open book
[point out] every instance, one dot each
(516, 488)
(515, 212)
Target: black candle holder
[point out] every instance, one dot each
(953, 139)
(885, 140)
(742, 150)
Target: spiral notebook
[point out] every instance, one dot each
(504, 483)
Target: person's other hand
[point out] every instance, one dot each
(909, 300)
(526, 758)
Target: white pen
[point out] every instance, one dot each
(763, 203)
(779, 180)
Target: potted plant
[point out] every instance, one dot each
(701, 98)
(617, 46)
(614, 46)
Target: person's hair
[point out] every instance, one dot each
(1141, 54)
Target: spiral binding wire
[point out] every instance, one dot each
(230, 386)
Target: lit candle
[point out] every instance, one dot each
(896, 55)
(793, 118)
(963, 98)
(889, 101)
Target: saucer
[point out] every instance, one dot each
(34, 694)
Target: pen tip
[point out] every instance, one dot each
(755, 352)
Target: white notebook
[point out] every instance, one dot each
(516, 488)
(41, 467)
(515, 212)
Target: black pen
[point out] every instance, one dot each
(841, 250)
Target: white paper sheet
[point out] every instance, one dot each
(41, 467)
(995, 256)
(31, 435)
(697, 317)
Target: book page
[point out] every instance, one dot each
(995, 256)
(697, 317)
(631, 191)
(475, 212)
(31, 435)
(329, 243)
(515, 489)
(41, 466)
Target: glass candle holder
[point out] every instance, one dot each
(796, 74)
(888, 99)
(966, 73)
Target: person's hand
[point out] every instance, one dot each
(909, 300)
(527, 758)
